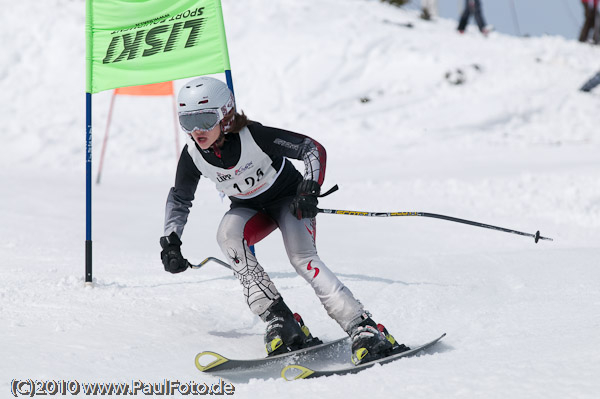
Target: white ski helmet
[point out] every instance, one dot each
(203, 103)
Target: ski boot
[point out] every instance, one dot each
(371, 341)
(396, 347)
(285, 332)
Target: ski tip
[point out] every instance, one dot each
(439, 338)
(295, 372)
(218, 360)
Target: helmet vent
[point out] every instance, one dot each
(202, 101)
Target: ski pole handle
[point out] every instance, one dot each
(535, 236)
(210, 258)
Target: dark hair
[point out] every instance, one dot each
(240, 122)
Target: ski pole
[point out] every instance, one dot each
(210, 258)
(536, 236)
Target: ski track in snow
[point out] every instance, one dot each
(516, 146)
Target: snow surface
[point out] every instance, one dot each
(516, 146)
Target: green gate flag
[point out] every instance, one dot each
(136, 42)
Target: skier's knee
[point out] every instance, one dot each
(226, 238)
(301, 261)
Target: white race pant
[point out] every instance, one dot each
(241, 227)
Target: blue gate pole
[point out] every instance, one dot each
(229, 81)
(88, 189)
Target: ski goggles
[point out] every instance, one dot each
(203, 120)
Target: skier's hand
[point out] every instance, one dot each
(304, 205)
(171, 256)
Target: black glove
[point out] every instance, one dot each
(304, 204)
(171, 256)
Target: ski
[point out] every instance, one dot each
(296, 371)
(221, 363)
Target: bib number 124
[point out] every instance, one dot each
(250, 181)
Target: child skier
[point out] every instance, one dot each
(247, 162)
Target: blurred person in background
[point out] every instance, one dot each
(473, 7)
(429, 9)
(590, 10)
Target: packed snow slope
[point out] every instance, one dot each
(515, 145)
